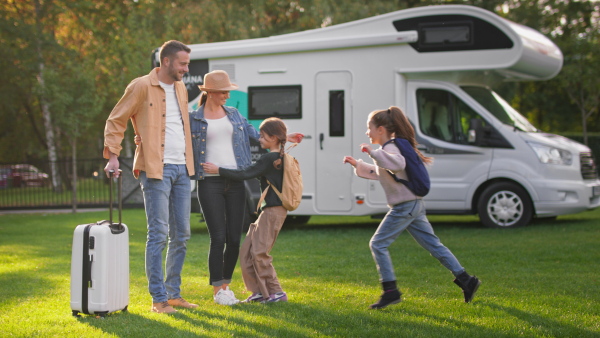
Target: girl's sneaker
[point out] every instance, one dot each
(277, 297)
(224, 298)
(231, 295)
(255, 297)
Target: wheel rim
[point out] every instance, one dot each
(505, 208)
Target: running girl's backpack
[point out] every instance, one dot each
(291, 188)
(418, 177)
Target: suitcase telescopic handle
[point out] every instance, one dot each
(119, 227)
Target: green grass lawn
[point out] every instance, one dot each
(538, 281)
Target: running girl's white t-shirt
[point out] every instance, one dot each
(174, 135)
(219, 144)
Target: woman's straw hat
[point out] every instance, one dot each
(217, 80)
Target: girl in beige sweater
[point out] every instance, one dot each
(407, 210)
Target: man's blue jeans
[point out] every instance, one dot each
(167, 204)
(411, 216)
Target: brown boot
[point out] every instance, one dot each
(180, 302)
(162, 307)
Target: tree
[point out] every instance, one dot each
(28, 28)
(573, 26)
(18, 104)
(579, 77)
(44, 16)
(108, 43)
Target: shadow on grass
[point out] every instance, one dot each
(300, 320)
(393, 321)
(547, 326)
(127, 324)
(249, 325)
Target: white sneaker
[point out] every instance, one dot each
(224, 298)
(231, 294)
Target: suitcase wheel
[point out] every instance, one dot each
(76, 313)
(125, 308)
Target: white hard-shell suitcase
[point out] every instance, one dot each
(100, 265)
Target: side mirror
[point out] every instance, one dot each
(485, 136)
(476, 132)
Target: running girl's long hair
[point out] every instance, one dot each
(275, 127)
(397, 124)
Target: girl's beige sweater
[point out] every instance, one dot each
(387, 158)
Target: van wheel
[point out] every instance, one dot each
(504, 205)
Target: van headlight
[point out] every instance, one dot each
(551, 155)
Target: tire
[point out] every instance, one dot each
(504, 205)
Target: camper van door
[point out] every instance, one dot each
(443, 128)
(332, 126)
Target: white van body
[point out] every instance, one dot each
(436, 63)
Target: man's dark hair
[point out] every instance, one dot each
(171, 48)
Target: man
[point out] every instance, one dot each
(157, 106)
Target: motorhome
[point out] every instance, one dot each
(439, 64)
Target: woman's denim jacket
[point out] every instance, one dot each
(242, 132)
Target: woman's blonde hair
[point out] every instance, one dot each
(274, 127)
(398, 125)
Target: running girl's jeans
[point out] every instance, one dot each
(411, 216)
(223, 204)
(257, 269)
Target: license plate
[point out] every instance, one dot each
(596, 190)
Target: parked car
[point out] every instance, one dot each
(22, 175)
(4, 173)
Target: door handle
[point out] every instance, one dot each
(321, 138)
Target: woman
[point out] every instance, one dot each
(256, 262)
(221, 135)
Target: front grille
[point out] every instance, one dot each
(588, 166)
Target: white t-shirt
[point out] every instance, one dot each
(174, 134)
(219, 144)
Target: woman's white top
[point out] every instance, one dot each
(219, 144)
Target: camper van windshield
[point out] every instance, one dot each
(499, 108)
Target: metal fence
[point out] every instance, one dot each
(30, 185)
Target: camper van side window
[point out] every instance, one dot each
(444, 33)
(284, 102)
(444, 116)
(440, 35)
(336, 113)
